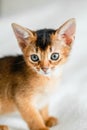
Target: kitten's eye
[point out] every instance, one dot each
(34, 58)
(55, 56)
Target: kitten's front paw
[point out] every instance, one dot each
(51, 121)
(3, 127)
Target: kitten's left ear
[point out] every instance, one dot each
(24, 36)
(67, 31)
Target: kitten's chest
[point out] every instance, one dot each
(46, 91)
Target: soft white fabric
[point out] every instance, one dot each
(70, 105)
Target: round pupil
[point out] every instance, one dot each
(55, 56)
(34, 57)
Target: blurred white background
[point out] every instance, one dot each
(71, 104)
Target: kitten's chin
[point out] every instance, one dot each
(46, 74)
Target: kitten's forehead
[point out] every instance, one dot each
(44, 38)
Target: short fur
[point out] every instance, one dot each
(26, 85)
(43, 38)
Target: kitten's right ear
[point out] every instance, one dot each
(23, 35)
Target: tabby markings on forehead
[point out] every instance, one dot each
(36, 49)
(43, 38)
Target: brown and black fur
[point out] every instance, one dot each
(43, 38)
(21, 87)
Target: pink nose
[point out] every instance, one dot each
(44, 69)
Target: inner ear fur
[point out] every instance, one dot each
(67, 31)
(24, 36)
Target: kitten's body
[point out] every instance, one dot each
(27, 82)
(18, 76)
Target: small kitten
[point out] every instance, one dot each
(27, 81)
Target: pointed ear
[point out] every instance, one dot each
(23, 35)
(67, 31)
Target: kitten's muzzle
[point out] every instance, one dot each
(45, 69)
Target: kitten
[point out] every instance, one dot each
(27, 82)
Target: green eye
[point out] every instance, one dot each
(55, 56)
(34, 58)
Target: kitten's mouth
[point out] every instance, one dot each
(44, 73)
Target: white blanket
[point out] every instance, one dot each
(70, 105)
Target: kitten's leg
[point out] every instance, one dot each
(3, 127)
(49, 120)
(44, 113)
(31, 115)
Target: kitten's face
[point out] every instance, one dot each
(46, 62)
(46, 50)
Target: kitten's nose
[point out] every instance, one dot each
(45, 69)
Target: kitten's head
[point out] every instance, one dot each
(47, 49)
